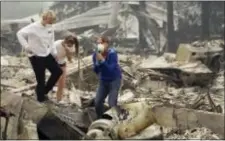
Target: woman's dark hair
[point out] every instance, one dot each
(104, 39)
(73, 40)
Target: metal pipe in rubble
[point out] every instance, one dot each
(95, 134)
(101, 129)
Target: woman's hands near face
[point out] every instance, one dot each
(99, 57)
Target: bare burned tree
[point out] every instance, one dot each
(138, 9)
(170, 28)
(205, 6)
(142, 25)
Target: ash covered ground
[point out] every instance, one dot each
(154, 91)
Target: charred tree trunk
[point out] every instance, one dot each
(142, 26)
(205, 5)
(143, 5)
(170, 28)
(137, 8)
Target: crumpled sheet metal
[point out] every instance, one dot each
(161, 62)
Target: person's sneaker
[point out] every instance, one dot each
(44, 100)
(62, 102)
(54, 101)
(54, 89)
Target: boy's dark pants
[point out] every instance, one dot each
(107, 88)
(39, 64)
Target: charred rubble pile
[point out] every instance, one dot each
(153, 80)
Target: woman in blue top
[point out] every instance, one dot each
(105, 62)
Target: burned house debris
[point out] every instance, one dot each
(164, 95)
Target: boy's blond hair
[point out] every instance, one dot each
(48, 13)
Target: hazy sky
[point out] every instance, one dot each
(16, 10)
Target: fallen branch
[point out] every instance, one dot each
(198, 102)
(215, 108)
(25, 88)
(15, 66)
(127, 72)
(6, 85)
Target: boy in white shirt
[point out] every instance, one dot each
(64, 49)
(37, 39)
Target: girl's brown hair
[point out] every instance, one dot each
(73, 40)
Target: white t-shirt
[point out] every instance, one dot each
(60, 52)
(37, 38)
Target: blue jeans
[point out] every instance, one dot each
(107, 88)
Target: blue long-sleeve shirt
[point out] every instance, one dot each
(108, 69)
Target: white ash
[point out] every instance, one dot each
(172, 95)
(196, 133)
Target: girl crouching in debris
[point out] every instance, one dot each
(64, 49)
(105, 62)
